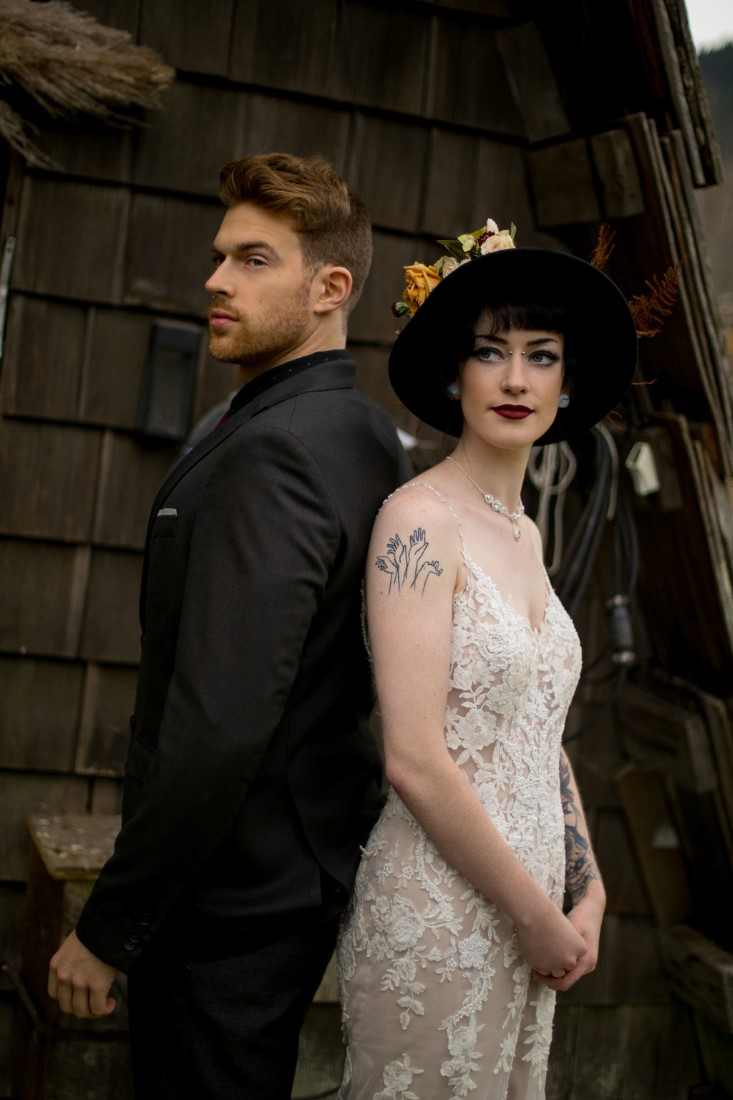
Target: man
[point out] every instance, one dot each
(252, 778)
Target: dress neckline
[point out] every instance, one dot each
(474, 566)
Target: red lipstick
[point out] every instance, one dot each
(512, 412)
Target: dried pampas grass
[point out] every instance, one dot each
(70, 64)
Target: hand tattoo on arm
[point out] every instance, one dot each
(580, 863)
(405, 565)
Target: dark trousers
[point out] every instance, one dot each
(221, 1021)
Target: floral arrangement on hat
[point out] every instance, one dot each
(421, 279)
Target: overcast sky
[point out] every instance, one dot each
(711, 22)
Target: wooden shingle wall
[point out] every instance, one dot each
(440, 114)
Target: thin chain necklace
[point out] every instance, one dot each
(513, 517)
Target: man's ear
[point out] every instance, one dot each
(331, 288)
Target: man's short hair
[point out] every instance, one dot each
(332, 221)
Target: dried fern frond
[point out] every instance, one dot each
(649, 310)
(71, 64)
(604, 246)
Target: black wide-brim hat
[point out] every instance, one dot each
(601, 332)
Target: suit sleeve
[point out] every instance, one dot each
(261, 550)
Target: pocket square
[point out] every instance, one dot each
(168, 512)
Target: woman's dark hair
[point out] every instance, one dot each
(504, 316)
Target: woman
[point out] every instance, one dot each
(455, 941)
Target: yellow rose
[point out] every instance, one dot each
(421, 279)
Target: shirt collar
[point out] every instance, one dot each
(277, 374)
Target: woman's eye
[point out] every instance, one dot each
(544, 358)
(488, 354)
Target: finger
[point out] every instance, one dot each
(100, 1003)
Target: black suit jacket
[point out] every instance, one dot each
(251, 765)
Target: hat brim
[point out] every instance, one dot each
(603, 334)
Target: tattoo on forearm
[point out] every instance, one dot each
(580, 864)
(407, 566)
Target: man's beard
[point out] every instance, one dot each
(251, 343)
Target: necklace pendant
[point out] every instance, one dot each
(516, 532)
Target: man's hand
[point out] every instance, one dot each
(81, 982)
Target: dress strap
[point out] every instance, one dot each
(439, 495)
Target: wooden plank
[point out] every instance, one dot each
(500, 191)
(464, 55)
(679, 595)
(111, 631)
(656, 842)
(70, 240)
(168, 253)
(701, 973)
(50, 474)
(106, 796)
(617, 862)
(630, 969)
(372, 320)
(617, 174)
(371, 375)
(43, 358)
(36, 616)
(275, 122)
(195, 116)
(497, 9)
(674, 358)
(12, 904)
(186, 35)
(129, 475)
(679, 94)
(562, 182)
(448, 210)
(122, 14)
(661, 732)
(305, 57)
(533, 82)
(380, 149)
(87, 148)
(381, 57)
(104, 729)
(39, 711)
(66, 853)
(113, 367)
(21, 796)
(215, 382)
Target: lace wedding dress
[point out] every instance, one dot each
(437, 1001)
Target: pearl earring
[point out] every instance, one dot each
(563, 401)
(453, 391)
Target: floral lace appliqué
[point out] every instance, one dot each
(437, 1002)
